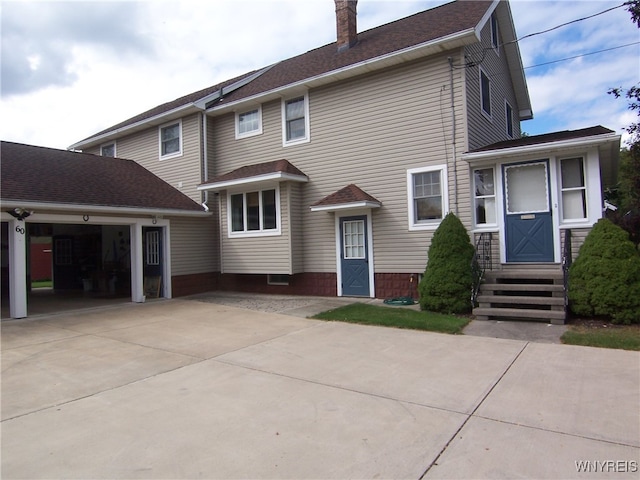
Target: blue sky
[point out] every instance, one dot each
(70, 69)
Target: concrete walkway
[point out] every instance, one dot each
(191, 389)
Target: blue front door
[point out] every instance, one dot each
(354, 259)
(528, 222)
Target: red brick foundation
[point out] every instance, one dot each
(388, 285)
(320, 284)
(393, 285)
(182, 285)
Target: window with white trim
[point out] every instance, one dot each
(508, 113)
(254, 212)
(295, 120)
(573, 187)
(484, 196)
(485, 94)
(170, 140)
(428, 200)
(249, 123)
(108, 149)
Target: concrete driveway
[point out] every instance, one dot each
(189, 389)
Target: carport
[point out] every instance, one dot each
(107, 221)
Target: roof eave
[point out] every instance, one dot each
(269, 177)
(345, 206)
(103, 209)
(583, 142)
(159, 119)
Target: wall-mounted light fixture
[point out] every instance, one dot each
(19, 213)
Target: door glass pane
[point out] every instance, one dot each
(353, 239)
(153, 247)
(526, 187)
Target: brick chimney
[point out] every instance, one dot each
(346, 24)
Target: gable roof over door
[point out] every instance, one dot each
(59, 179)
(449, 26)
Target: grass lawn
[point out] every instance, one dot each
(42, 284)
(605, 335)
(398, 317)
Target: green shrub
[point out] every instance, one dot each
(446, 284)
(605, 278)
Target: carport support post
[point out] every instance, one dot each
(17, 269)
(137, 270)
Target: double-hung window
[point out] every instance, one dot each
(295, 120)
(485, 93)
(108, 150)
(249, 123)
(427, 192)
(484, 196)
(253, 212)
(574, 190)
(171, 140)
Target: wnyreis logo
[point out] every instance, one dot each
(606, 466)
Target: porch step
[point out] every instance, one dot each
(533, 292)
(553, 316)
(521, 300)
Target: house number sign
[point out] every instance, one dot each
(20, 230)
(529, 216)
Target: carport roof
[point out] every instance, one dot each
(39, 175)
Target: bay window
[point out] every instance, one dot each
(253, 212)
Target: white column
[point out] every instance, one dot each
(17, 269)
(137, 270)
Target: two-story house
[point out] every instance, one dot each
(328, 173)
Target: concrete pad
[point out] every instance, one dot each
(591, 392)
(206, 330)
(516, 330)
(19, 333)
(444, 371)
(46, 374)
(212, 420)
(489, 449)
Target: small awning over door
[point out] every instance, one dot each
(349, 197)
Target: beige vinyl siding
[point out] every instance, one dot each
(481, 130)
(194, 245)
(296, 238)
(182, 172)
(366, 131)
(578, 236)
(259, 254)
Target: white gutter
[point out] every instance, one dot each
(81, 209)
(345, 206)
(353, 68)
(542, 147)
(280, 176)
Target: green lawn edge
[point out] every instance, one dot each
(621, 338)
(397, 317)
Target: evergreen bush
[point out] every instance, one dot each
(605, 277)
(446, 284)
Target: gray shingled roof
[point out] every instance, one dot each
(546, 138)
(424, 27)
(46, 175)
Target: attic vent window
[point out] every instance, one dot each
(108, 150)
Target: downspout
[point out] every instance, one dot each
(455, 159)
(205, 158)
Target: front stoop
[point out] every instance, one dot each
(526, 292)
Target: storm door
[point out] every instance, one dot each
(528, 222)
(354, 256)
